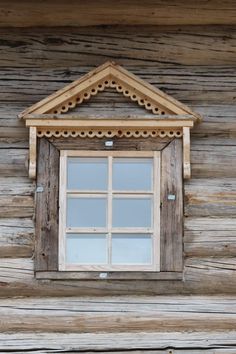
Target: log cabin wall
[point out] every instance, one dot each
(194, 64)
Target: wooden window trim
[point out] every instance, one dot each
(154, 230)
(171, 265)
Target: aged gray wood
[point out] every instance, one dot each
(210, 197)
(140, 46)
(46, 231)
(15, 192)
(190, 84)
(119, 314)
(110, 275)
(16, 237)
(210, 236)
(106, 341)
(208, 275)
(171, 231)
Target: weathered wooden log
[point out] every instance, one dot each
(208, 275)
(210, 197)
(118, 314)
(209, 236)
(139, 46)
(78, 13)
(16, 237)
(81, 342)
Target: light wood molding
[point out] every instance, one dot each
(169, 117)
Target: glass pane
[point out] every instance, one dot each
(132, 174)
(131, 249)
(132, 212)
(87, 173)
(86, 248)
(86, 212)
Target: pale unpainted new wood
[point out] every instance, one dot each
(46, 232)
(171, 236)
(32, 152)
(109, 72)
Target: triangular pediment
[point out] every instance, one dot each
(112, 76)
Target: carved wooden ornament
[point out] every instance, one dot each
(168, 116)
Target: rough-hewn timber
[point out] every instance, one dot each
(197, 66)
(124, 12)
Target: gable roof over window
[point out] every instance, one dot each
(54, 116)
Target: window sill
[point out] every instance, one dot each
(65, 275)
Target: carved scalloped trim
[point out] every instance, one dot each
(101, 86)
(89, 133)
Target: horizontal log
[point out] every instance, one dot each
(210, 197)
(192, 84)
(16, 197)
(210, 236)
(82, 342)
(138, 46)
(213, 158)
(210, 275)
(13, 162)
(78, 13)
(16, 238)
(118, 314)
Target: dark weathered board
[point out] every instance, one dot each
(46, 232)
(150, 12)
(172, 210)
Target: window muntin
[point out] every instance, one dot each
(101, 214)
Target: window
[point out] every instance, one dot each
(117, 209)
(109, 211)
(116, 224)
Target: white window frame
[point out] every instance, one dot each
(155, 230)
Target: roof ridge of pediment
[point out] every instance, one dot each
(111, 75)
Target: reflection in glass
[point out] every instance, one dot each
(86, 212)
(87, 173)
(86, 248)
(131, 249)
(132, 174)
(132, 212)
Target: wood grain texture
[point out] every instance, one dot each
(204, 236)
(119, 314)
(138, 46)
(202, 275)
(171, 231)
(82, 342)
(46, 231)
(16, 237)
(16, 197)
(78, 13)
(210, 197)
